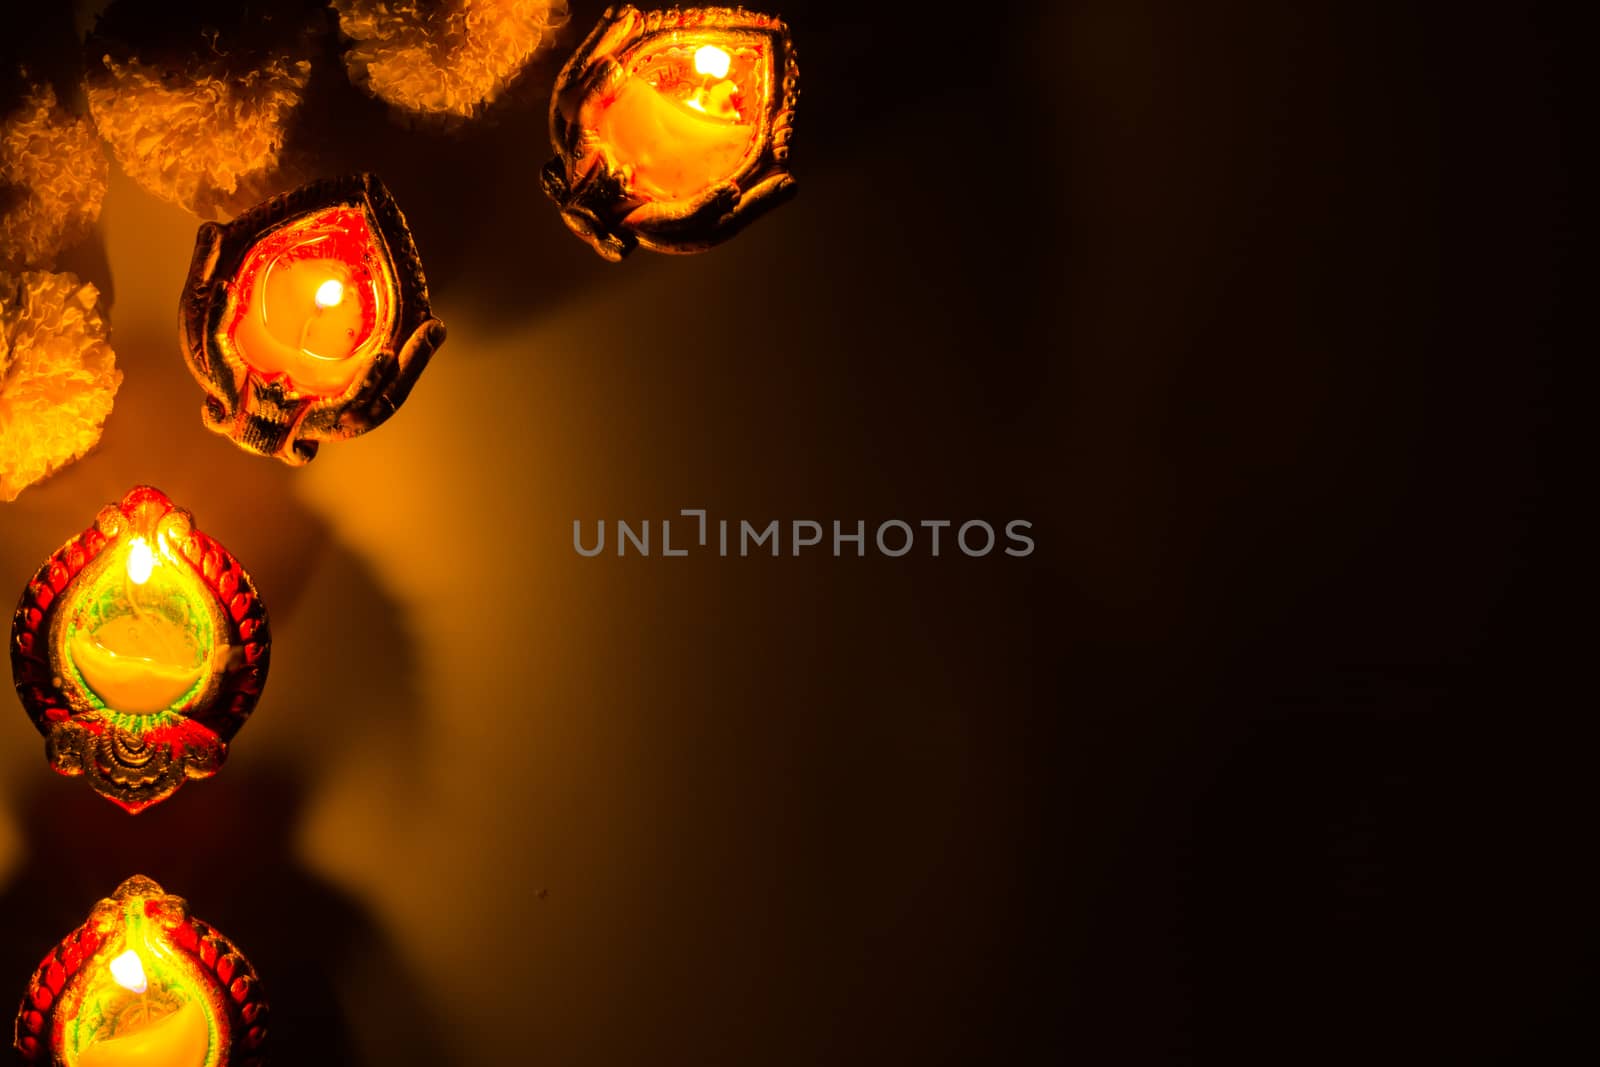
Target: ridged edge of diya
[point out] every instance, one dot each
(36, 1034)
(260, 416)
(595, 203)
(138, 771)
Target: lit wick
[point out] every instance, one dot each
(141, 565)
(128, 970)
(711, 62)
(141, 561)
(330, 294)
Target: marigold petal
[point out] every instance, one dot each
(54, 173)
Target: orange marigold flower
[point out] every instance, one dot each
(199, 115)
(443, 58)
(58, 375)
(53, 176)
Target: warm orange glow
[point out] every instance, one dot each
(138, 666)
(139, 661)
(128, 970)
(302, 324)
(327, 328)
(717, 101)
(674, 149)
(182, 1039)
(312, 301)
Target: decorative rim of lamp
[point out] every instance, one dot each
(141, 753)
(592, 184)
(268, 413)
(180, 959)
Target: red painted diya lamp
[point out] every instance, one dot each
(673, 128)
(306, 319)
(139, 649)
(143, 984)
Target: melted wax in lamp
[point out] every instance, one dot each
(137, 659)
(147, 1036)
(310, 299)
(680, 132)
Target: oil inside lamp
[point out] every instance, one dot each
(141, 661)
(141, 636)
(311, 301)
(680, 120)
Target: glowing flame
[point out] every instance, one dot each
(141, 563)
(330, 293)
(711, 60)
(129, 972)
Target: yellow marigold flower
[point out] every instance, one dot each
(206, 133)
(58, 375)
(53, 176)
(443, 58)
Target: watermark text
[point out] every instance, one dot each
(697, 533)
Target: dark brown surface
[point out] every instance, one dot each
(1249, 307)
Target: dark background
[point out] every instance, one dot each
(1263, 756)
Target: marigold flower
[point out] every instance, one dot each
(53, 175)
(58, 375)
(443, 58)
(200, 117)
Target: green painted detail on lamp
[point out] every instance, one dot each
(138, 643)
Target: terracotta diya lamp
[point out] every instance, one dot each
(139, 650)
(306, 319)
(143, 984)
